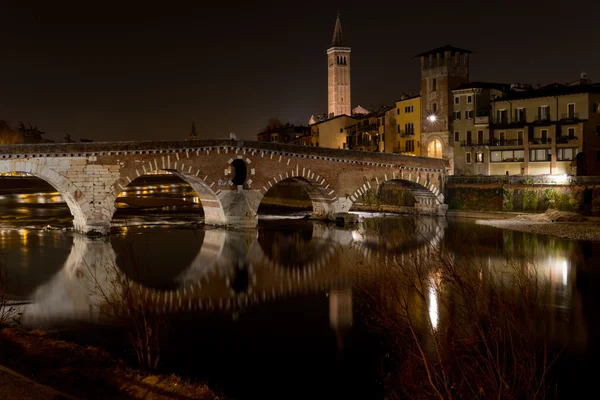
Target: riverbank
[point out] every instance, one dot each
(82, 371)
(588, 230)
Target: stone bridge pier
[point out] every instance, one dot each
(231, 177)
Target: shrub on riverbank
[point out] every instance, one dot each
(451, 333)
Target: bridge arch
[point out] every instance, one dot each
(422, 184)
(323, 197)
(78, 204)
(214, 213)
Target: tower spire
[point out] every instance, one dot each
(338, 40)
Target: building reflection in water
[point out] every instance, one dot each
(340, 313)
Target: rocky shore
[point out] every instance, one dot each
(60, 369)
(554, 223)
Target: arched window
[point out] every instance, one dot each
(434, 149)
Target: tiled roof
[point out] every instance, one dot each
(483, 85)
(445, 48)
(554, 89)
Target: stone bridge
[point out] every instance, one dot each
(230, 176)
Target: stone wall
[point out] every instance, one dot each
(524, 194)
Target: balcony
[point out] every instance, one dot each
(506, 142)
(542, 119)
(540, 141)
(405, 134)
(572, 116)
(567, 139)
(366, 128)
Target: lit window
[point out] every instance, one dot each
(479, 158)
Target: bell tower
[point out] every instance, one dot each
(338, 74)
(442, 70)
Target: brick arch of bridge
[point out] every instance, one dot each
(320, 197)
(74, 197)
(424, 185)
(193, 175)
(270, 171)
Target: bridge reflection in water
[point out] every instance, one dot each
(228, 272)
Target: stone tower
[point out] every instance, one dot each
(338, 74)
(442, 70)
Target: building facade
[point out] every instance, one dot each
(442, 70)
(552, 130)
(471, 109)
(338, 75)
(331, 132)
(367, 133)
(289, 134)
(403, 130)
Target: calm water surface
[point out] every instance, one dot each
(269, 312)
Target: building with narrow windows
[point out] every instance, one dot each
(403, 129)
(471, 110)
(551, 130)
(338, 74)
(442, 70)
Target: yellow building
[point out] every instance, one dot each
(331, 132)
(403, 128)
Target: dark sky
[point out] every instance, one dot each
(133, 70)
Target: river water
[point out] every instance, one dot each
(271, 312)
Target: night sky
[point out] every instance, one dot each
(138, 71)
